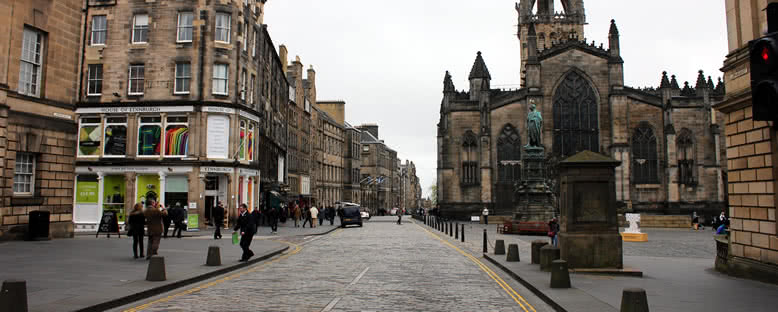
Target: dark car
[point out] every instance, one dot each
(350, 215)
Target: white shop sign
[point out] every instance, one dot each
(216, 169)
(218, 136)
(216, 109)
(305, 188)
(248, 172)
(250, 116)
(147, 169)
(134, 109)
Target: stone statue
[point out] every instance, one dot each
(534, 126)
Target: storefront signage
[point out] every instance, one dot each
(216, 109)
(248, 172)
(216, 169)
(63, 116)
(134, 109)
(192, 222)
(86, 192)
(150, 169)
(192, 205)
(218, 136)
(250, 116)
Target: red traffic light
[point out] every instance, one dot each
(765, 54)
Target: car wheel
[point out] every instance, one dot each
(360, 224)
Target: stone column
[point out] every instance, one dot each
(100, 193)
(161, 199)
(671, 172)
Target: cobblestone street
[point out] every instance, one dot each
(379, 267)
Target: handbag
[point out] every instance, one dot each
(235, 238)
(551, 234)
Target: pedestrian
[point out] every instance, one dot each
(166, 220)
(296, 214)
(178, 215)
(257, 215)
(485, 213)
(273, 214)
(723, 223)
(695, 221)
(218, 220)
(307, 216)
(314, 216)
(553, 231)
(247, 228)
(154, 215)
(331, 215)
(136, 223)
(400, 216)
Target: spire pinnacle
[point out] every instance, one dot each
(448, 85)
(674, 83)
(479, 69)
(614, 30)
(700, 80)
(665, 82)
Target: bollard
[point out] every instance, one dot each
(214, 256)
(547, 255)
(486, 249)
(456, 230)
(463, 233)
(156, 270)
(445, 227)
(513, 253)
(450, 229)
(560, 276)
(634, 300)
(13, 296)
(499, 247)
(536, 245)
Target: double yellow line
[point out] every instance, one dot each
(507, 288)
(297, 249)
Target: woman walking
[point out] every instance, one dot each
(553, 231)
(136, 223)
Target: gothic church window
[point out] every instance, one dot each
(644, 155)
(509, 155)
(575, 116)
(469, 159)
(685, 151)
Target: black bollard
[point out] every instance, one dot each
(560, 276)
(536, 245)
(156, 269)
(486, 249)
(463, 233)
(451, 229)
(214, 256)
(513, 253)
(456, 230)
(13, 296)
(634, 300)
(499, 247)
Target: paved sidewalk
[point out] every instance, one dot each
(73, 274)
(677, 267)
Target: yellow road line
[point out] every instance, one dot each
(497, 279)
(297, 249)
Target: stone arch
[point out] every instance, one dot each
(575, 115)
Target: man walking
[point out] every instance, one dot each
(272, 214)
(218, 220)
(331, 215)
(400, 216)
(247, 228)
(178, 219)
(154, 214)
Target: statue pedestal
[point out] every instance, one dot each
(535, 201)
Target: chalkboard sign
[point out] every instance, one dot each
(109, 223)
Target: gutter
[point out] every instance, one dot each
(85, 10)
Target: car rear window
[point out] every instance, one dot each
(351, 210)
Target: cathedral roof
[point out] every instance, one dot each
(479, 68)
(563, 46)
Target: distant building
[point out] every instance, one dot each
(378, 166)
(668, 138)
(300, 128)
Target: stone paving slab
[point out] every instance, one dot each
(74, 274)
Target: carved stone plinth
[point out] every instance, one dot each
(534, 198)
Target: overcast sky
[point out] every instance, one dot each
(387, 59)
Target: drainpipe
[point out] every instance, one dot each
(201, 69)
(83, 51)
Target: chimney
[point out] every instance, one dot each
(283, 53)
(371, 128)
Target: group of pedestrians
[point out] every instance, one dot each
(152, 218)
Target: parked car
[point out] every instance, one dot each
(364, 213)
(393, 212)
(351, 215)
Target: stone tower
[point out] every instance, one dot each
(550, 26)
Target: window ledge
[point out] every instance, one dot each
(648, 186)
(26, 200)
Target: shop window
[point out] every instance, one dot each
(149, 136)
(222, 27)
(147, 189)
(176, 191)
(95, 80)
(250, 143)
(24, 174)
(218, 136)
(115, 136)
(140, 28)
(114, 192)
(242, 143)
(89, 137)
(177, 136)
(86, 209)
(99, 29)
(184, 29)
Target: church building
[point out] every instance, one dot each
(668, 138)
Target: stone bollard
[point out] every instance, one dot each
(499, 247)
(486, 248)
(214, 256)
(547, 255)
(560, 276)
(513, 253)
(536, 245)
(463, 233)
(13, 296)
(634, 300)
(156, 270)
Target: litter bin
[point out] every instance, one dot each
(39, 225)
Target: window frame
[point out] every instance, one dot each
(130, 79)
(161, 126)
(103, 30)
(254, 42)
(642, 173)
(163, 139)
(242, 127)
(180, 27)
(251, 89)
(224, 80)
(31, 175)
(223, 29)
(251, 151)
(142, 29)
(90, 79)
(35, 64)
(107, 123)
(82, 121)
(245, 42)
(242, 82)
(187, 78)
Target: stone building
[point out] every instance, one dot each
(184, 103)
(410, 189)
(378, 164)
(39, 80)
(352, 190)
(751, 154)
(299, 120)
(331, 127)
(667, 138)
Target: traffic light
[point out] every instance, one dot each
(764, 77)
(764, 70)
